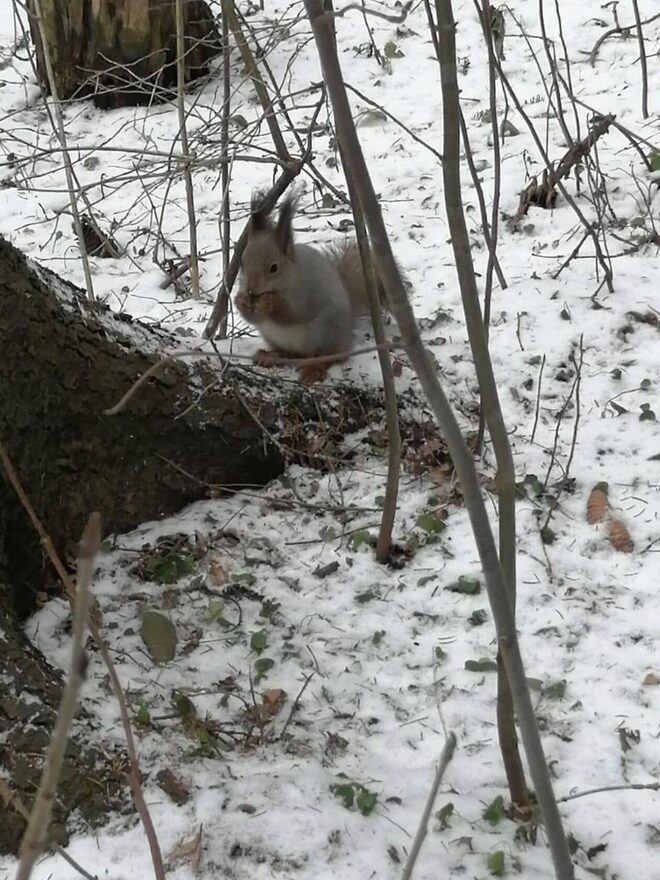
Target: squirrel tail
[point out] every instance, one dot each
(346, 258)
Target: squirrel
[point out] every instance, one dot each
(304, 301)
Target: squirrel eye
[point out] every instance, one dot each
(273, 268)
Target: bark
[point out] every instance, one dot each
(200, 425)
(124, 52)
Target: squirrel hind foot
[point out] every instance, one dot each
(313, 372)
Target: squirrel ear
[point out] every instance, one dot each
(259, 216)
(284, 229)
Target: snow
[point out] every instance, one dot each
(369, 636)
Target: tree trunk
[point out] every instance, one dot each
(200, 425)
(121, 52)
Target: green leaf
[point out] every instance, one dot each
(440, 654)
(654, 160)
(470, 586)
(483, 665)
(143, 716)
(431, 522)
(547, 535)
(495, 812)
(444, 814)
(377, 637)
(246, 577)
(391, 50)
(359, 539)
(366, 596)
(262, 665)
(556, 690)
(478, 617)
(496, 863)
(345, 792)
(159, 635)
(366, 801)
(533, 485)
(171, 568)
(215, 613)
(259, 641)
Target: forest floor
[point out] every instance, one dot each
(316, 676)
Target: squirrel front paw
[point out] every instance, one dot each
(244, 303)
(267, 358)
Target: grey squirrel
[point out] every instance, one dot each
(304, 301)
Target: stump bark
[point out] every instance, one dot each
(121, 52)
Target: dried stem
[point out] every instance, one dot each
(225, 222)
(496, 583)
(642, 60)
(229, 10)
(445, 757)
(12, 800)
(384, 542)
(183, 138)
(477, 334)
(36, 833)
(66, 156)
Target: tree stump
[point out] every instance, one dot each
(121, 52)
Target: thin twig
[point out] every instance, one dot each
(538, 399)
(36, 833)
(61, 136)
(633, 786)
(496, 581)
(445, 757)
(11, 799)
(183, 138)
(642, 60)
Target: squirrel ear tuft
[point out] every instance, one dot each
(259, 216)
(284, 229)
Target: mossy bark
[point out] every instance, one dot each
(121, 52)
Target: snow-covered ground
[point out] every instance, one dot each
(386, 650)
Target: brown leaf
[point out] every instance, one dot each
(597, 505)
(397, 367)
(173, 786)
(217, 573)
(620, 537)
(189, 850)
(273, 701)
(651, 679)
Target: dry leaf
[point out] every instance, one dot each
(273, 700)
(397, 367)
(189, 850)
(651, 679)
(597, 505)
(620, 537)
(173, 786)
(217, 573)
